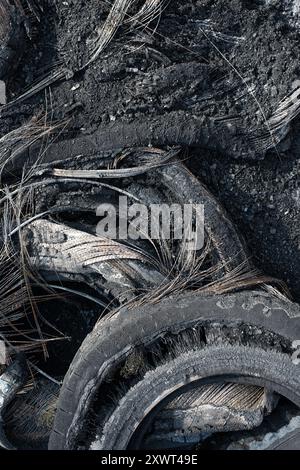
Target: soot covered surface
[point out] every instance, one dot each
(221, 66)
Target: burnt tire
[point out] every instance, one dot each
(126, 424)
(160, 186)
(291, 441)
(264, 360)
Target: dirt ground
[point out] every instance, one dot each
(210, 79)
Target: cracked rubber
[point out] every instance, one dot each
(114, 339)
(270, 368)
(289, 442)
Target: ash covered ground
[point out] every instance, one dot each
(210, 78)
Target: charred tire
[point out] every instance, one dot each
(289, 442)
(113, 340)
(227, 247)
(124, 428)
